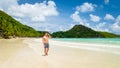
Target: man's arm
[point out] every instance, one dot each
(49, 36)
(43, 40)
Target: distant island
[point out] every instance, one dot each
(9, 27)
(80, 31)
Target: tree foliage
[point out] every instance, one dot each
(80, 31)
(10, 27)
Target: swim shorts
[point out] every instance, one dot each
(46, 45)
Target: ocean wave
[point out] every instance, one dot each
(90, 46)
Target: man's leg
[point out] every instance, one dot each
(44, 51)
(47, 49)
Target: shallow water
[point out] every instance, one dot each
(108, 41)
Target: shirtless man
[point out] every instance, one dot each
(45, 41)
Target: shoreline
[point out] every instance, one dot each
(90, 46)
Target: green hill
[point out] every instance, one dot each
(10, 27)
(80, 31)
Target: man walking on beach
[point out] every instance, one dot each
(45, 41)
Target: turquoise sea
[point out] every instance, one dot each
(108, 41)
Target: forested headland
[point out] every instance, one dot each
(9, 27)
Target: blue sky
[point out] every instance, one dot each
(61, 15)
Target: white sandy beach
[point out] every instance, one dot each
(27, 53)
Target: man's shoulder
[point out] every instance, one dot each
(44, 37)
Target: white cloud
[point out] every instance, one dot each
(94, 18)
(72, 25)
(106, 1)
(101, 27)
(37, 15)
(86, 7)
(118, 20)
(116, 26)
(1, 9)
(109, 17)
(76, 17)
(5, 4)
(36, 12)
(33, 12)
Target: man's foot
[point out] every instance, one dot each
(44, 55)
